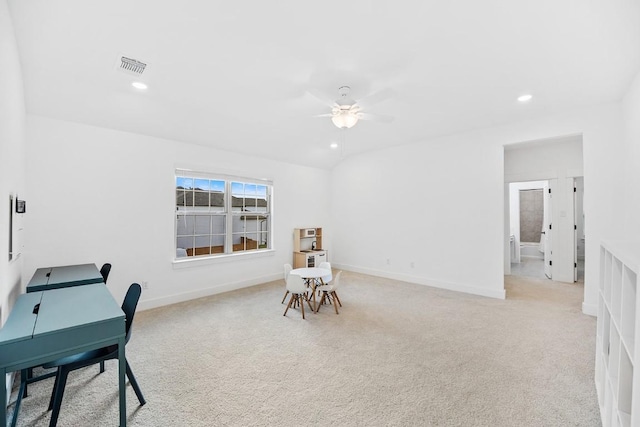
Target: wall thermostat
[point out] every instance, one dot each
(21, 206)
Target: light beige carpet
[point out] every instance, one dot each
(398, 354)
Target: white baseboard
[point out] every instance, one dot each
(147, 304)
(200, 293)
(590, 309)
(458, 287)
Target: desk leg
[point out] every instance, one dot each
(122, 367)
(3, 398)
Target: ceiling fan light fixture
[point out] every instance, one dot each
(344, 119)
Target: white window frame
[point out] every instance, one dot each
(229, 214)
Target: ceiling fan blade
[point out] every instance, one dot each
(376, 97)
(376, 117)
(319, 96)
(324, 115)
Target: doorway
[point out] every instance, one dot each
(530, 238)
(579, 235)
(558, 161)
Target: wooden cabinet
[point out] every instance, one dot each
(308, 259)
(307, 247)
(617, 364)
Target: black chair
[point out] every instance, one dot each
(71, 363)
(104, 271)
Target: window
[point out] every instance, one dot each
(219, 215)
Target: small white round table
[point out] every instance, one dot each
(311, 275)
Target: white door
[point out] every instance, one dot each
(547, 231)
(575, 234)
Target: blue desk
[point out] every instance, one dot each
(48, 278)
(66, 321)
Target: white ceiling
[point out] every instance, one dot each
(235, 74)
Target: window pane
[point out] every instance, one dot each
(250, 189)
(218, 225)
(217, 186)
(182, 182)
(263, 240)
(181, 197)
(251, 223)
(203, 242)
(237, 188)
(185, 225)
(201, 198)
(217, 202)
(217, 196)
(203, 224)
(202, 184)
(184, 242)
(208, 202)
(217, 244)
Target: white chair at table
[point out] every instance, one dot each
(287, 270)
(329, 277)
(298, 290)
(329, 292)
(325, 279)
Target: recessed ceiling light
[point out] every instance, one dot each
(139, 85)
(525, 98)
(334, 145)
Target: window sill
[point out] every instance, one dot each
(210, 260)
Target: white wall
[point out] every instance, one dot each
(559, 160)
(444, 200)
(12, 159)
(99, 195)
(430, 204)
(631, 111)
(12, 165)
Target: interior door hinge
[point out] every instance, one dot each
(575, 265)
(575, 227)
(550, 262)
(549, 226)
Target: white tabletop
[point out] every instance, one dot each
(311, 272)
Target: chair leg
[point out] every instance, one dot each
(302, 305)
(102, 366)
(134, 384)
(53, 391)
(61, 381)
(337, 298)
(335, 303)
(288, 305)
(308, 303)
(321, 302)
(284, 297)
(21, 393)
(29, 375)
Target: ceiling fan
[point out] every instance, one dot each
(345, 112)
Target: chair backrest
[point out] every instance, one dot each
(129, 306)
(104, 271)
(336, 280)
(287, 270)
(327, 265)
(295, 284)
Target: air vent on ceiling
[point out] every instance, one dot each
(131, 66)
